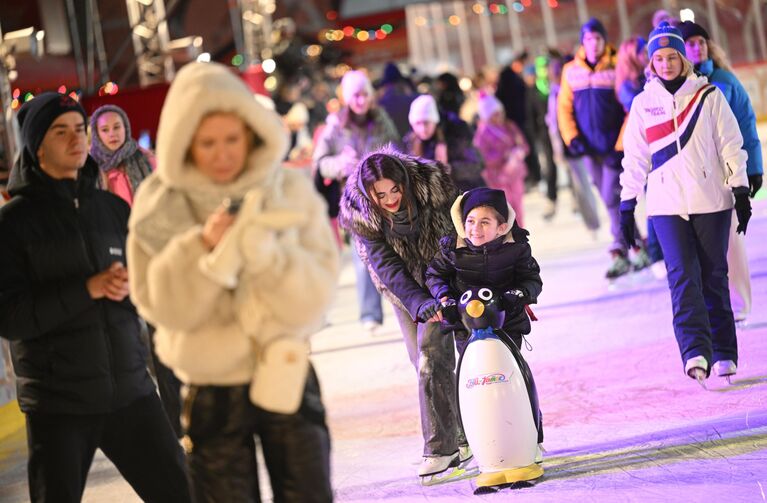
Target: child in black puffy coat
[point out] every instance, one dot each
(491, 251)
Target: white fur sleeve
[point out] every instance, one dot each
(168, 288)
(297, 288)
(636, 156)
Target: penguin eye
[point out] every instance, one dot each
(466, 297)
(485, 294)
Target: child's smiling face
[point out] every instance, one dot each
(482, 225)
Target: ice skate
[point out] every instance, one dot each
(726, 369)
(441, 469)
(619, 267)
(465, 455)
(696, 368)
(641, 260)
(539, 454)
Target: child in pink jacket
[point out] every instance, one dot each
(123, 165)
(503, 148)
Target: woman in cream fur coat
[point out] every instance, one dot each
(233, 260)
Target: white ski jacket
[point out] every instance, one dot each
(685, 147)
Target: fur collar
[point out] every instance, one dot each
(430, 186)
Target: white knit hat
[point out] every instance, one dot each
(487, 106)
(353, 82)
(423, 108)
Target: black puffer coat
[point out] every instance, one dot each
(501, 265)
(71, 354)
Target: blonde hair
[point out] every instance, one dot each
(628, 66)
(687, 67)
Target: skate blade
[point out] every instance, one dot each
(702, 381)
(450, 475)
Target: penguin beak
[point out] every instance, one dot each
(475, 308)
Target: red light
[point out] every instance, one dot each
(16, 93)
(331, 15)
(349, 31)
(553, 4)
(527, 3)
(62, 89)
(494, 8)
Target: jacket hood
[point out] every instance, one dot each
(457, 217)
(26, 178)
(429, 185)
(200, 89)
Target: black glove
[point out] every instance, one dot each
(754, 183)
(614, 161)
(743, 211)
(628, 223)
(578, 146)
(450, 311)
(515, 298)
(427, 310)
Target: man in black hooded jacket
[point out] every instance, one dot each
(79, 361)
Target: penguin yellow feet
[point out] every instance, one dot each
(525, 473)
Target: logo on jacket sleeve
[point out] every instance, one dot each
(655, 111)
(117, 252)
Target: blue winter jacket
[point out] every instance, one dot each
(739, 102)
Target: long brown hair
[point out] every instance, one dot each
(716, 53)
(377, 167)
(628, 67)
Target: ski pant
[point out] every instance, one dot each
(584, 196)
(695, 252)
(740, 277)
(432, 353)
(221, 423)
(606, 178)
(654, 250)
(367, 295)
(137, 438)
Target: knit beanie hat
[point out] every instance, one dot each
(690, 29)
(483, 196)
(423, 108)
(353, 82)
(594, 25)
(37, 115)
(664, 36)
(487, 106)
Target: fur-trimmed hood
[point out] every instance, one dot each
(176, 183)
(190, 99)
(430, 186)
(433, 192)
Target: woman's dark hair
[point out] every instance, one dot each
(375, 168)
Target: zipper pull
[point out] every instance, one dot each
(77, 203)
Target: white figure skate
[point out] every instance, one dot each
(696, 368)
(726, 369)
(441, 469)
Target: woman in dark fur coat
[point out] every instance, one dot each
(397, 207)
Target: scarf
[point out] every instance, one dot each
(128, 156)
